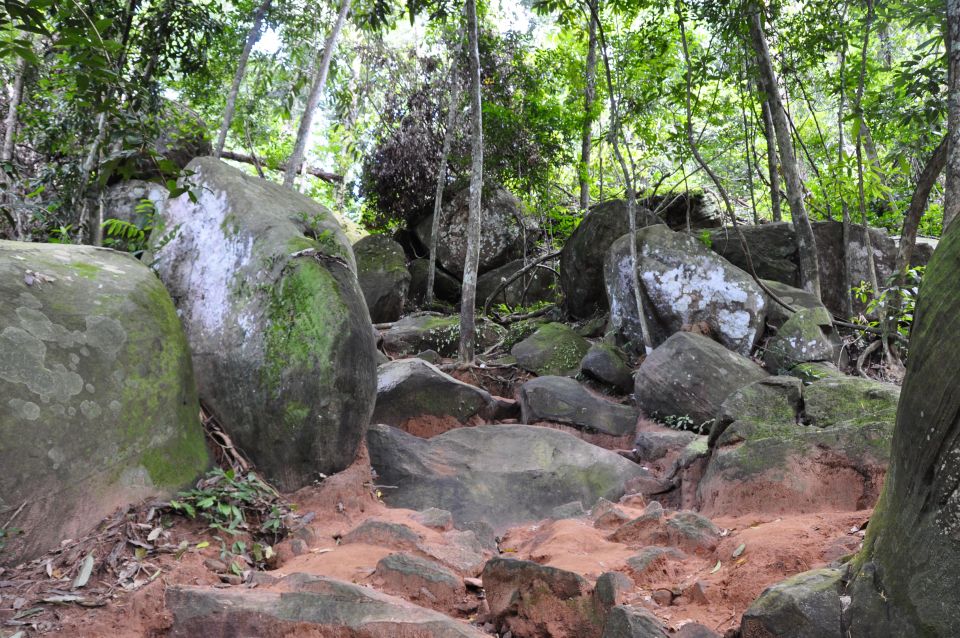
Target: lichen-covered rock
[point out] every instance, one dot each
(691, 375)
(411, 388)
(383, 276)
(99, 406)
(503, 475)
(535, 286)
(807, 336)
(582, 256)
(767, 460)
(441, 334)
(302, 604)
(796, 298)
(807, 605)
(445, 287)
(563, 400)
(554, 349)
(606, 364)
(684, 283)
(501, 235)
(773, 250)
(134, 201)
(265, 282)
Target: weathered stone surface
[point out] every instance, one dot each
(554, 349)
(539, 601)
(264, 281)
(582, 257)
(702, 208)
(501, 235)
(435, 518)
(126, 201)
(383, 276)
(468, 472)
(807, 336)
(648, 559)
(537, 285)
(797, 298)
(691, 375)
(305, 604)
(410, 388)
(830, 251)
(445, 287)
(771, 401)
(633, 622)
(417, 333)
(686, 531)
(773, 250)
(564, 400)
(606, 364)
(425, 580)
(684, 284)
(653, 445)
(804, 606)
(765, 461)
(98, 405)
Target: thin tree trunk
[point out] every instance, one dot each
(918, 204)
(468, 301)
(772, 163)
(858, 109)
(844, 206)
(951, 195)
(589, 95)
(11, 124)
(452, 112)
(319, 80)
(85, 232)
(806, 244)
(252, 37)
(645, 332)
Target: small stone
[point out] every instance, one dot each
(216, 566)
(662, 597)
(298, 547)
(696, 593)
(435, 518)
(231, 579)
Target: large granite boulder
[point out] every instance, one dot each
(99, 406)
(772, 247)
(179, 135)
(700, 208)
(553, 349)
(807, 605)
(535, 286)
(607, 365)
(415, 333)
(504, 475)
(782, 447)
(135, 201)
(683, 284)
(691, 375)
(501, 232)
(582, 257)
(563, 400)
(807, 336)
(445, 287)
(412, 388)
(305, 605)
(383, 276)
(830, 252)
(265, 283)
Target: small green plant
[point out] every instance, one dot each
(706, 239)
(235, 503)
(685, 423)
(61, 235)
(885, 302)
(131, 237)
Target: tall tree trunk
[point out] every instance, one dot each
(615, 132)
(918, 204)
(85, 231)
(858, 109)
(847, 278)
(589, 95)
(772, 162)
(252, 37)
(11, 124)
(319, 80)
(468, 301)
(951, 195)
(806, 244)
(452, 112)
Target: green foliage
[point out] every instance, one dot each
(235, 503)
(898, 302)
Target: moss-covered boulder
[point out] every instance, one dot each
(683, 284)
(439, 333)
(265, 282)
(445, 286)
(807, 605)
(778, 452)
(690, 376)
(608, 365)
(383, 276)
(807, 336)
(796, 298)
(554, 349)
(535, 286)
(503, 475)
(563, 400)
(99, 406)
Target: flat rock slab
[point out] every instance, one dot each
(554, 349)
(439, 333)
(324, 605)
(503, 475)
(563, 400)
